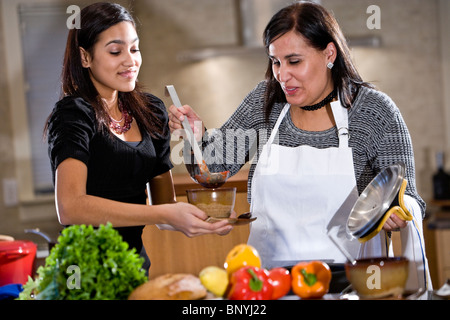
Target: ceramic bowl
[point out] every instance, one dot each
(378, 277)
(216, 203)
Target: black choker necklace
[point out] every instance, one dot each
(322, 103)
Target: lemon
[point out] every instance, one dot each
(215, 280)
(240, 256)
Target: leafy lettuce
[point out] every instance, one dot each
(87, 264)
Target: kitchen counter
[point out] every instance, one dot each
(173, 252)
(439, 220)
(429, 295)
(437, 241)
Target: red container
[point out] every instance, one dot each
(16, 261)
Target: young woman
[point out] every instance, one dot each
(107, 138)
(330, 133)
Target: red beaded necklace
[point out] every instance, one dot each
(126, 117)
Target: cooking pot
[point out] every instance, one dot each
(16, 261)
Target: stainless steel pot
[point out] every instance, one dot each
(375, 200)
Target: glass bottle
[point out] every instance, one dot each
(441, 179)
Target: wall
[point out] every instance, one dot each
(444, 12)
(8, 216)
(215, 87)
(407, 67)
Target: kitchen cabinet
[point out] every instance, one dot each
(443, 255)
(173, 252)
(437, 240)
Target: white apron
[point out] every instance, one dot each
(302, 194)
(296, 192)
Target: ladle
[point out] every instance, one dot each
(206, 178)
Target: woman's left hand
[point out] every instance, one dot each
(394, 223)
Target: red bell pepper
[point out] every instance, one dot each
(281, 282)
(250, 283)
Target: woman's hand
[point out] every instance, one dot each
(190, 220)
(394, 223)
(176, 116)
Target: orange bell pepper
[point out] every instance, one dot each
(311, 280)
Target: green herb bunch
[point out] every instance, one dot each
(106, 268)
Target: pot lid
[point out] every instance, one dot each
(375, 200)
(17, 245)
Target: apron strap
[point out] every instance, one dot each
(340, 114)
(274, 133)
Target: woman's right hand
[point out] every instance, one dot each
(190, 220)
(176, 117)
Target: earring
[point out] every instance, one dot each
(330, 65)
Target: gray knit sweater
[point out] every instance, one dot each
(378, 136)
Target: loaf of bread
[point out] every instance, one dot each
(170, 287)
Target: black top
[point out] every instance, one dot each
(117, 170)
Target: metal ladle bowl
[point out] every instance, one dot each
(375, 200)
(211, 180)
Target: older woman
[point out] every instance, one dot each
(330, 133)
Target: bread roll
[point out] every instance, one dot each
(170, 287)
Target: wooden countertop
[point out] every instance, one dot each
(440, 203)
(439, 219)
(184, 182)
(173, 252)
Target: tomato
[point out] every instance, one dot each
(281, 282)
(241, 256)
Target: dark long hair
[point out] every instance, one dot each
(76, 80)
(319, 27)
